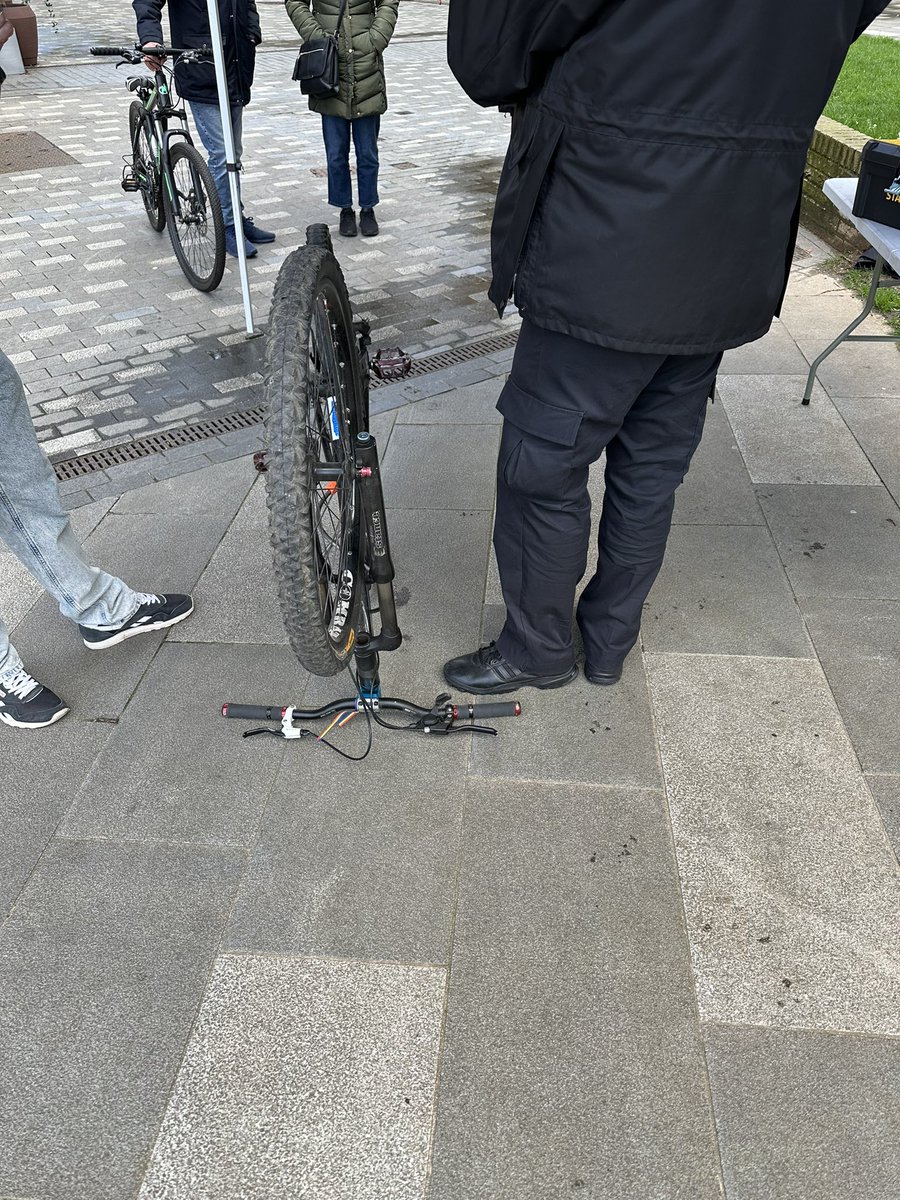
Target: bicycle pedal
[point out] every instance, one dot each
(130, 183)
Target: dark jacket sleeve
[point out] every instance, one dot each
(501, 50)
(149, 20)
(870, 10)
(253, 25)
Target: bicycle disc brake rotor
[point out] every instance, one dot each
(333, 494)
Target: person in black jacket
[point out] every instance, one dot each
(661, 141)
(241, 34)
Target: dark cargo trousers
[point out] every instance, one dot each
(567, 401)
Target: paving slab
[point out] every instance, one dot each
(805, 1114)
(790, 887)
(886, 790)
(717, 490)
(858, 644)
(723, 590)
(441, 560)
(357, 860)
(836, 541)
(40, 779)
(174, 769)
(571, 1055)
(582, 733)
(875, 423)
(854, 369)
(214, 490)
(102, 967)
(236, 596)
(427, 467)
(304, 1078)
(472, 405)
(784, 442)
(775, 354)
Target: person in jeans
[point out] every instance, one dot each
(241, 34)
(355, 112)
(36, 527)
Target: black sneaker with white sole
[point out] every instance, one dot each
(27, 704)
(155, 612)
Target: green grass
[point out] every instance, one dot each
(887, 300)
(867, 94)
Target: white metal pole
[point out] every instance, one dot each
(215, 29)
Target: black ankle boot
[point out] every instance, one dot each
(348, 223)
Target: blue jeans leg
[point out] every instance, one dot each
(336, 135)
(208, 120)
(36, 527)
(365, 144)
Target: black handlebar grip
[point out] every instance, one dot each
(253, 712)
(108, 52)
(502, 708)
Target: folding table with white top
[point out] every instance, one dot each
(885, 241)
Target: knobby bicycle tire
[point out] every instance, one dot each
(144, 165)
(308, 402)
(204, 214)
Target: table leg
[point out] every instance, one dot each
(877, 269)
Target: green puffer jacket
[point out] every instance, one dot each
(366, 31)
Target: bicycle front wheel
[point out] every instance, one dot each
(194, 216)
(314, 413)
(144, 165)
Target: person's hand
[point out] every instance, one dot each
(6, 27)
(150, 62)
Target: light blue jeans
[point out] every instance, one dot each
(36, 527)
(208, 119)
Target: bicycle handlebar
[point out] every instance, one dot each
(253, 712)
(135, 54)
(503, 708)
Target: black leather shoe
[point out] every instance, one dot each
(368, 226)
(487, 673)
(602, 678)
(347, 227)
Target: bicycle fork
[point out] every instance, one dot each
(381, 566)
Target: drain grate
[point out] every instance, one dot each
(170, 439)
(155, 443)
(25, 151)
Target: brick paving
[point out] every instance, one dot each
(110, 339)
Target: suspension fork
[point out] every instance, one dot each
(378, 557)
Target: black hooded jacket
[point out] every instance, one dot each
(189, 24)
(650, 196)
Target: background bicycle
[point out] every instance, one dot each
(172, 176)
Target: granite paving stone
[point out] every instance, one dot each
(723, 590)
(805, 1114)
(304, 1077)
(38, 787)
(783, 441)
(775, 354)
(886, 790)
(875, 422)
(425, 467)
(858, 644)
(569, 948)
(836, 541)
(717, 490)
(790, 887)
(209, 785)
(474, 404)
(357, 860)
(581, 733)
(102, 966)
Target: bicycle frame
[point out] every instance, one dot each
(158, 112)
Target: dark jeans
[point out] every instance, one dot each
(567, 401)
(336, 132)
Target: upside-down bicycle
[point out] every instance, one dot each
(171, 174)
(327, 517)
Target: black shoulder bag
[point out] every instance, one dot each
(317, 68)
